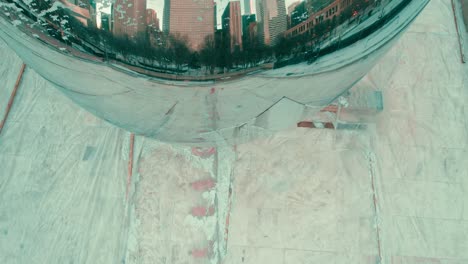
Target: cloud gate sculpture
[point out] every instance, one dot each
(199, 71)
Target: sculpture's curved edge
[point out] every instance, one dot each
(166, 129)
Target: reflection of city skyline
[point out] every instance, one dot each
(264, 20)
(158, 6)
(189, 41)
(247, 7)
(196, 20)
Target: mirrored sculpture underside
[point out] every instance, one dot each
(203, 77)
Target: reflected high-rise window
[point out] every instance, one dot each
(232, 24)
(193, 19)
(271, 15)
(129, 17)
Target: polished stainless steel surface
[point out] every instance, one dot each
(199, 71)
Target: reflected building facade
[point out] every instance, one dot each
(232, 24)
(79, 11)
(129, 18)
(192, 19)
(329, 14)
(166, 16)
(271, 19)
(252, 31)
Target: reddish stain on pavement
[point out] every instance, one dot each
(200, 253)
(330, 108)
(200, 152)
(203, 185)
(201, 211)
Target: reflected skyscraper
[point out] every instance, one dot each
(232, 23)
(191, 19)
(129, 17)
(272, 21)
(80, 12)
(166, 16)
(323, 15)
